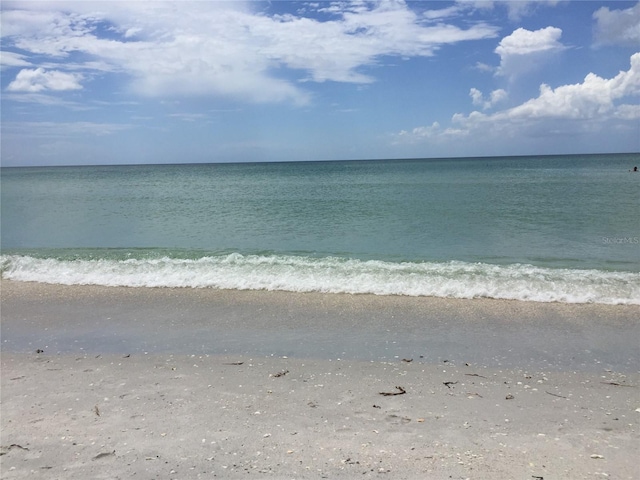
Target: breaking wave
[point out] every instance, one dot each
(453, 279)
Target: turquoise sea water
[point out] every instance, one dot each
(557, 228)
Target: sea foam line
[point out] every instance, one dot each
(336, 275)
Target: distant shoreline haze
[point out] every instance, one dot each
(633, 157)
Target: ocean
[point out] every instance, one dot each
(547, 229)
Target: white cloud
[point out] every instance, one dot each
(628, 112)
(526, 42)
(188, 117)
(63, 129)
(45, 100)
(441, 13)
(433, 133)
(477, 4)
(26, 21)
(225, 48)
(525, 49)
(38, 79)
(11, 59)
(581, 107)
(592, 98)
(618, 27)
(495, 97)
(516, 9)
(520, 9)
(421, 133)
(483, 67)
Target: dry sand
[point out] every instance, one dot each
(159, 384)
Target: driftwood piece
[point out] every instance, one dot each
(555, 394)
(401, 391)
(104, 455)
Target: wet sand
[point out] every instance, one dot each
(102, 382)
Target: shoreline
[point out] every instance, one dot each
(329, 275)
(496, 333)
(113, 382)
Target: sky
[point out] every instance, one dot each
(133, 81)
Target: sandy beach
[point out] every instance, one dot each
(105, 382)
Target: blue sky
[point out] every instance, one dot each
(118, 82)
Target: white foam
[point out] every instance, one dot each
(337, 275)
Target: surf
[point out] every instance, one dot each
(331, 274)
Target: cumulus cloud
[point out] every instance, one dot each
(38, 79)
(421, 133)
(495, 97)
(581, 106)
(628, 112)
(433, 133)
(526, 42)
(525, 49)
(594, 97)
(618, 27)
(228, 48)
